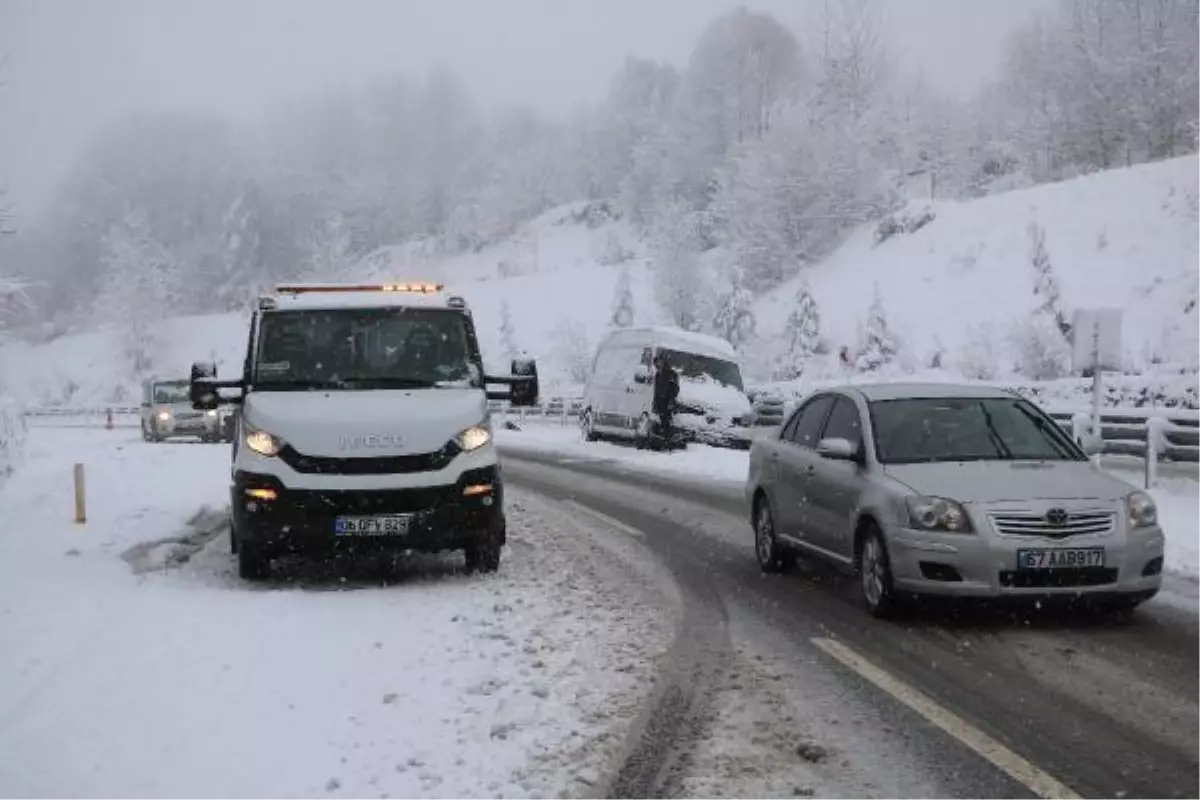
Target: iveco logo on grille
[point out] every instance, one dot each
(1057, 517)
(370, 440)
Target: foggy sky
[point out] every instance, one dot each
(74, 65)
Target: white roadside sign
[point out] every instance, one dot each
(1096, 340)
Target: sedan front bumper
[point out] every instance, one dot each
(989, 564)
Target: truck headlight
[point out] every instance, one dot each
(164, 415)
(474, 438)
(1143, 513)
(263, 443)
(938, 514)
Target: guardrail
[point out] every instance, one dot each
(562, 408)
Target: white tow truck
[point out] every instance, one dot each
(364, 425)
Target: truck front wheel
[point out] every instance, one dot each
(483, 555)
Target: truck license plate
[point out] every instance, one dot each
(1060, 558)
(383, 525)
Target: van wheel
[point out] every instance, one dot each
(588, 425)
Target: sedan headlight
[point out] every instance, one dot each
(1141, 509)
(263, 443)
(938, 514)
(474, 437)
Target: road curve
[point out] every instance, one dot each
(1100, 708)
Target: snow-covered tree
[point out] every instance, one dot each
(508, 333)
(1045, 285)
(1042, 352)
(328, 252)
(572, 349)
(803, 325)
(622, 305)
(879, 345)
(679, 281)
(978, 358)
(141, 288)
(734, 318)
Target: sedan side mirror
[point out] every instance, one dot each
(837, 449)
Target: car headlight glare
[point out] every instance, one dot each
(1143, 513)
(164, 415)
(474, 437)
(938, 514)
(263, 443)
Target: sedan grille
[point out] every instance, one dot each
(1054, 523)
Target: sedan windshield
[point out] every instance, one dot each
(365, 348)
(698, 367)
(912, 431)
(171, 392)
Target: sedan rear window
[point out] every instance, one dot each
(920, 430)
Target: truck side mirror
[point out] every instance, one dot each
(523, 392)
(203, 395)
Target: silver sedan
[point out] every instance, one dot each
(945, 489)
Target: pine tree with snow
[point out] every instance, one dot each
(508, 334)
(804, 324)
(734, 319)
(880, 345)
(140, 287)
(622, 306)
(1045, 285)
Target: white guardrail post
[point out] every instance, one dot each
(1083, 432)
(1156, 441)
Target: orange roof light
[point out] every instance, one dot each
(414, 287)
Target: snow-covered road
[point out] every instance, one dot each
(137, 664)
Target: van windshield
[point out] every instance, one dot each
(698, 367)
(365, 348)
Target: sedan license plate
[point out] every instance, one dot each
(1060, 558)
(389, 525)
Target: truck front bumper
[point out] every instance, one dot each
(269, 515)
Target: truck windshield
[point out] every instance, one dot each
(698, 367)
(171, 392)
(365, 348)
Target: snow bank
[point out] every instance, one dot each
(138, 665)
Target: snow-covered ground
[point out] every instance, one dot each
(137, 664)
(1177, 497)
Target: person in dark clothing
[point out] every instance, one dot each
(666, 390)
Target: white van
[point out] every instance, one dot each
(712, 406)
(364, 425)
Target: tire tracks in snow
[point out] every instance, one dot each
(656, 752)
(172, 552)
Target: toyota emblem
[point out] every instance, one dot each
(1057, 517)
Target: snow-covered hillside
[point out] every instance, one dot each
(960, 285)
(963, 283)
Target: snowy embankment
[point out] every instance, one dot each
(137, 664)
(1177, 499)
